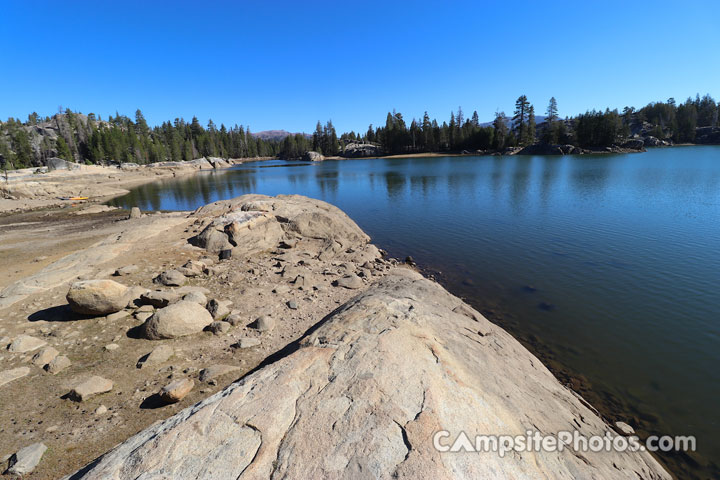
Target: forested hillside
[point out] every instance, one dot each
(90, 139)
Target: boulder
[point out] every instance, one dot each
(134, 213)
(176, 391)
(97, 297)
(24, 461)
(171, 278)
(313, 157)
(177, 320)
(363, 394)
(356, 150)
(94, 385)
(26, 343)
(634, 144)
(58, 364)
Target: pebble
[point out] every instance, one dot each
(292, 305)
(101, 410)
(111, 347)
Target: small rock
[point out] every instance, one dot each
(159, 298)
(225, 254)
(281, 289)
(624, 428)
(197, 297)
(160, 354)
(134, 213)
(177, 390)
(188, 272)
(207, 261)
(117, 315)
(97, 297)
(292, 305)
(44, 356)
(264, 324)
(410, 261)
(145, 308)
(234, 319)
(101, 410)
(9, 375)
(214, 371)
(92, 386)
(59, 363)
(219, 328)
(111, 347)
(219, 308)
(26, 459)
(350, 281)
(26, 343)
(143, 316)
(127, 270)
(247, 343)
(171, 278)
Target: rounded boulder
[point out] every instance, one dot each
(177, 320)
(97, 297)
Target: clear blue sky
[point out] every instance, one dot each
(274, 65)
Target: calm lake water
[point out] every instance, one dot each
(608, 266)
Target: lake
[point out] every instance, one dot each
(606, 266)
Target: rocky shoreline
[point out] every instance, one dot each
(331, 340)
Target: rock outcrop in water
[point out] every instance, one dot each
(362, 393)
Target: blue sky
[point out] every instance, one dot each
(274, 65)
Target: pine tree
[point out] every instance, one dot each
(522, 107)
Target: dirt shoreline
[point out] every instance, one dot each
(27, 190)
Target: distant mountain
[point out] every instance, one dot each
(276, 134)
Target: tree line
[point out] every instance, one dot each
(593, 129)
(119, 139)
(89, 139)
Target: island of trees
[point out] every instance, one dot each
(120, 139)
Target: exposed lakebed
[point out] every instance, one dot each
(607, 266)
